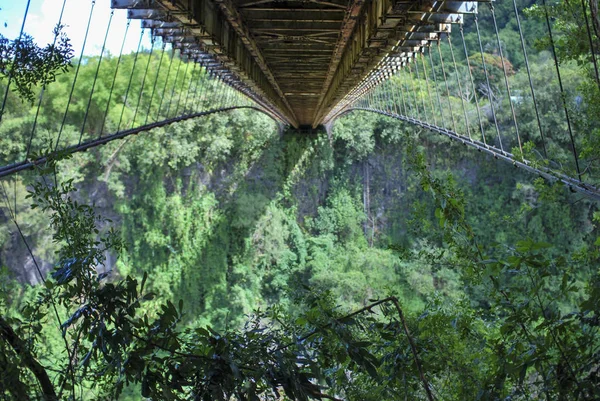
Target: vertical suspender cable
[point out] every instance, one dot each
(96, 75)
(112, 87)
(462, 36)
(185, 73)
(162, 55)
(420, 87)
(87, 30)
(562, 91)
(393, 88)
(460, 91)
(589, 34)
(512, 106)
(135, 58)
(12, 68)
(400, 79)
(435, 85)
(489, 86)
(39, 106)
(412, 83)
(202, 78)
(447, 87)
(428, 88)
(537, 113)
(162, 97)
(180, 61)
(206, 82)
(187, 95)
(143, 80)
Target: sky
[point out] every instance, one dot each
(43, 16)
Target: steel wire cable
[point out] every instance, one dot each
(512, 106)
(162, 56)
(523, 47)
(460, 91)
(394, 89)
(414, 90)
(185, 73)
(135, 58)
(14, 62)
(43, 90)
(87, 109)
(87, 30)
(401, 86)
(162, 97)
(114, 80)
(187, 95)
(422, 95)
(489, 86)
(435, 84)
(143, 81)
(562, 91)
(462, 36)
(203, 89)
(589, 34)
(200, 83)
(179, 61)
(422, 56)
(447, 87)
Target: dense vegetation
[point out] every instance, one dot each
(242, 263)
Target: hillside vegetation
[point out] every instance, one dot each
(221, 258)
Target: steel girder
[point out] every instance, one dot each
(303, 60)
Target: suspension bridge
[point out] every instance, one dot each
(304, 63)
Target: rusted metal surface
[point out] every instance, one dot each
(304, 60)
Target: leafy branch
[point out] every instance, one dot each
(28, 65)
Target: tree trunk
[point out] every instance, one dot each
(8, 334)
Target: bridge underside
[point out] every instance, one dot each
(303, 60)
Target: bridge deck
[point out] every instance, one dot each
(300, 58)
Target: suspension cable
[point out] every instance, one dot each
(462, 36)
(87, 30)
(39, 105)
(394, 95)
(447, 87)
(13, 66)
(192, 80)
(537, 113)
(420, 87)
(512, 106)
(143, 81)
(435, 85)
(185, 73)
(162, 55)
(589, 34)
(205, 81)
(489, 86)
(400, 85)
(428, 88)
(460, 91)
(112, 87)
(414, 90)
(180, 61)
(562, 91)
(201, 83)
(87, 109)
(162, 97)
(135, 58)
